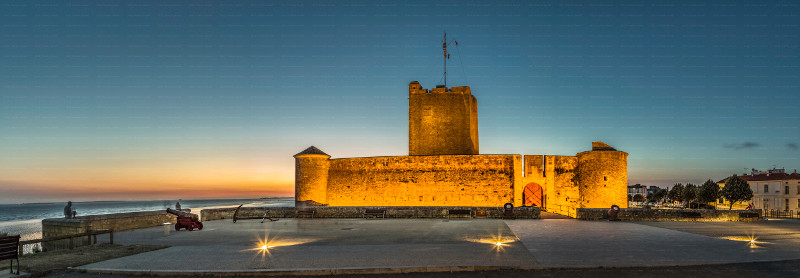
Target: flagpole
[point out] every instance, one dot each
(444, 51)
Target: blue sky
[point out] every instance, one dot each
(112, 97)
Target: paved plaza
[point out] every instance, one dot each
(320, 246)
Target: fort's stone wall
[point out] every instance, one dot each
(592, 179)
(442, 121)
(631, 214)
(446, 180)
(358, 212)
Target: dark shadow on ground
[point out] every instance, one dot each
(776, 269)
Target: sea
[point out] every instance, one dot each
(26, 219)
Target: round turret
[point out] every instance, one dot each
(603, 177)
(311, 177)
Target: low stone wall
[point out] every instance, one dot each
(358, 212)
(636, 214)
(53, 227)
(58, 226)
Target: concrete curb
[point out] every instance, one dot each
(373, 270)
(301, 271)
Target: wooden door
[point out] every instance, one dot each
(532, 195)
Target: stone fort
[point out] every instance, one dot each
(444, 167)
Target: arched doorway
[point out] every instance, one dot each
(532, 195)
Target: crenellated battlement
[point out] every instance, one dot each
(415, 88)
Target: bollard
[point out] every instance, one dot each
(612, 213)
(167, 227)
(508, 211)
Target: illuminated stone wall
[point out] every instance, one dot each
(442, 121)
(446, 180)
(592, 179)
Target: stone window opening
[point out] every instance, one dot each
(786, 189)
(605, 178)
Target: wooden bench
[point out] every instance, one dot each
(375, 213)
(9, 250)
(459, 212)
(301, 213)
(691, 214)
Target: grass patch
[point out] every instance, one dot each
(61, 259)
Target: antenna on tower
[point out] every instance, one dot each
(445, 43)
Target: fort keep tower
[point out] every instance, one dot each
(442, 121)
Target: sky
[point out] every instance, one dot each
(119, 100)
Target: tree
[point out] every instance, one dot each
(676, 193)
(709, 192)
(689, 193)
(638, 198)
(657, 197)
(736, 190)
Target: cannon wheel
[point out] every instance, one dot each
(190, 227)
(199, 225)
(177, 227)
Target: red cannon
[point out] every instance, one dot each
(186, 220)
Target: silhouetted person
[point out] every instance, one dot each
(68, 212)
(177, 205)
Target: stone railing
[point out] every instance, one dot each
(707, 215)
(53, 227)
(358, 212)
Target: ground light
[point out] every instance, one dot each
(267, 244)
(496, 242)
(751, 240)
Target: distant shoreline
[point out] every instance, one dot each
(30, 211)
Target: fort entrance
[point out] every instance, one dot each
(532, 195)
